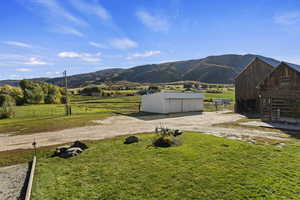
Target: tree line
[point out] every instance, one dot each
(29, 93)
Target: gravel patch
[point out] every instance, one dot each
(273, 125)
(12, 179)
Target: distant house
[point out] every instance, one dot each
(246, 92)
(280, 94)
(169, 102)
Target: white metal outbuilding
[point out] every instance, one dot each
(171, 102)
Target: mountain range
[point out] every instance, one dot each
(212, 69)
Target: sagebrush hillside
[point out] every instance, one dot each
(212, 69)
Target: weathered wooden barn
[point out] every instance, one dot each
(246, 92)
(279, 94)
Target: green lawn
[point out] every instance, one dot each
(204, 167)
(227, 95)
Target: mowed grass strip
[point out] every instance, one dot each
(19, 156)
(204, 167)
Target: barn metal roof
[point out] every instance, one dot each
(179, 95)
(294, 66)
(253, 60)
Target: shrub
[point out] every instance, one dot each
(188, 86)
(54, 96)
(167, 141)
(34, 95)
(153, 89)
(167, 138)
(7, 104)
(214, 91)
(91, 91)
(33, 92)
(14, 92)
(40, 92)
(7, 100)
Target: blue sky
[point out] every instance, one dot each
(41, 38)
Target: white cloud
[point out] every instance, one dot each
(88, 57)
(98, 45)
(11, 56)
(123, 43)
(35, 61)
(17, 60)
(68, 30)
(153, 22)
(146, 54)
(23, 70)
(58, 17)
(289, 18)
(91, 8)
(55, 10)
(18, 44)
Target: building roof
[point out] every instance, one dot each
(178, 95)
(252, 61)
(294, 66)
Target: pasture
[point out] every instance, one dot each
(51, 117)
(48, 117)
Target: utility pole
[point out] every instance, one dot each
(68, 107)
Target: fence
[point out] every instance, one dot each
(209, 107)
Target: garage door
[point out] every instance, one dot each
(175, 105)
(191, 105)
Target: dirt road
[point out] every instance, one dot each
(125, 125)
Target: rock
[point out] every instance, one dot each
(71, 152)
(60, 150)
(131, 139)
(225, 145)
(177, 133)
(280, 145)
(79, 144)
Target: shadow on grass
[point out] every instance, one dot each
(251, 115)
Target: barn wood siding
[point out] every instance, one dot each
(280, 94)
(246, 92)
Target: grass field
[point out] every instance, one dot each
(226, 95)
(45, 117)
(204, 167)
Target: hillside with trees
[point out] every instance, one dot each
(212, 69)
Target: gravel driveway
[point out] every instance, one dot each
(12, 179)
(125, 125)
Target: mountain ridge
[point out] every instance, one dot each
(211, 69)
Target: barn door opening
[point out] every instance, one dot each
(247, 106)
